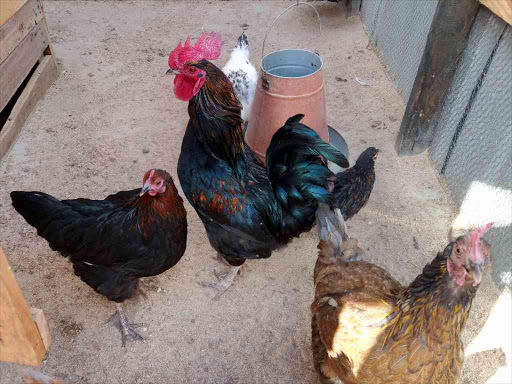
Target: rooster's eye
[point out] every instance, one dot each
(457, 251)
(192, 69)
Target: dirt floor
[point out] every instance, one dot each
(112, 115)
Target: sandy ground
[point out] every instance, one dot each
(112, 115)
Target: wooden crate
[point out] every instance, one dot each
(24, 334)
(24, 43)
(501, 8)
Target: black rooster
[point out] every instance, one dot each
(248, 209)
(113, 242)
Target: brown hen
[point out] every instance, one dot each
(369, 329)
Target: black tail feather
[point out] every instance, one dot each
(332, 231)
(294, 119)
(37, 208)
(47, 214)
(296, 167)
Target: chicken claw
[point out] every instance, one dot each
(127, 329)
(225, 281)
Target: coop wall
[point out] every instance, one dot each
(398, 31)
(472, 147)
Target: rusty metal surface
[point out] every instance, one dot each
(292, 83)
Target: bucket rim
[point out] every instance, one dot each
(289, 77)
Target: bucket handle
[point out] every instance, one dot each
(281, 14)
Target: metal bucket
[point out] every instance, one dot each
(291, 82)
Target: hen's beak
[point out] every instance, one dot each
(171, 71)
(476, 273)
(144, 189)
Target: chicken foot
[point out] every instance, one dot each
(127, 329)
(225, 280)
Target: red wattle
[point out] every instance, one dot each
(184, 87)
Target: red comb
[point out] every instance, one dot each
(475, 237)
(207, 47)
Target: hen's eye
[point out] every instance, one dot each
(457, 251)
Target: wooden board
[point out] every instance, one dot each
(20, 341)
(502, 8)
(43, 77)
(446, 41)
(42, 326)
(9, 8)
(18, 26)
(17, 66)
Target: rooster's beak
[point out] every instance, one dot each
(171, 71)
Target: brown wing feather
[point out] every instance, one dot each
(411, 361)
(350, 301)
(424, 351)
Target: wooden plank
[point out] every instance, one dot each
(17, 27)
(43, 77)
(20, 341)
(9, 8)
(445, 44)
(42, 326)
(501, 8)
(19, 63)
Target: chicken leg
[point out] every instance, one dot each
(225, 280)
(126, 329)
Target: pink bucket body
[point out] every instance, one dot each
(279, 97)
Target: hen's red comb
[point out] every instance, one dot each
(207, 47)
(475, 237)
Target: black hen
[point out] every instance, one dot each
(353, 186)
(113, 242)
